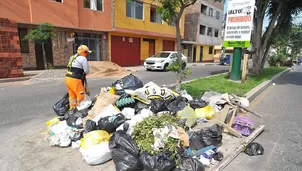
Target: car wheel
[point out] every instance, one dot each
(183, 66)
(165, 67)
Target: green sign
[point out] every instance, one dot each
(244, 44)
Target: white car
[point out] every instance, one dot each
(161, 60)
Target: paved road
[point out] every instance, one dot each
(25, 108)
(19, 102)
(282, 138)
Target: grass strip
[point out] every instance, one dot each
(222, 84)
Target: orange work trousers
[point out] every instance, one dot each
(75, 90)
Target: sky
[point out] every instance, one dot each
(266, 20)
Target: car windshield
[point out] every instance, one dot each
(162, 55)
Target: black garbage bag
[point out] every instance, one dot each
(81, 113)
(130, 82)
(158, 162)
(218, 156)
(90, 126)
(125, 152)
(211, 135)
(62, 106)
(195, 142)
(76, 113)
(110, 123)
(194, 104)
(206, 137)
(158, 106)
(188, 163)
(177, 105)
(138, 106)
(72, 122)
(254, 149)
(77, 136)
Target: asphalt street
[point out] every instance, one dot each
(282, 138)
(23, 102)
(26, 108)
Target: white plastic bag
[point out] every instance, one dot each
(59, 135)
(128, 112)
(185, 94)
(97, 154)
(135, 120)
(108, 111)
(85, 104)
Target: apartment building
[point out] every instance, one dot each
(138, 32)
(125, 33)
(203, 31)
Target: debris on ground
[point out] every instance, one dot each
(97, 69)
(155, 127)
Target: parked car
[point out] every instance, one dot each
(162, 60)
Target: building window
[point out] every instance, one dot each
(216, 33)
(154, 15)
(135, 10)
(211, 50)
(202, 30)
(61, 1)
(217, 15)
(203, 9)
(210, 12)
(23, 43)
(210, 32)
(215, 52)
(96, 5)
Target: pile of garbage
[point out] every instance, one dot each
(145, 127)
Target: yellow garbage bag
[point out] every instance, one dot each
(93, 138)
(207, 112)
(188, 114)
(53, 121)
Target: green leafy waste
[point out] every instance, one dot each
(143, 134)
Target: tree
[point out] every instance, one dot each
(41, 35)
(286, 43)
(280, 13)
(171, 11)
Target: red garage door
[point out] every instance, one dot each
(125, 51)
(168, 45)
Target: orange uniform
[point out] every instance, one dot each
(78, 68)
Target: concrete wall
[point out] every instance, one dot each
(70, 13)
(211, 22)
(11, 64)
(195, 18)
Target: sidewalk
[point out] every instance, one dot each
(30, 73)
(282, 138)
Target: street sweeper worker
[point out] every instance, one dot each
(75, 78)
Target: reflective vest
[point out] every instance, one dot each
(74, 72)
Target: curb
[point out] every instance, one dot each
(252, 94)
(255, 92)
(188, 81)
(6, 80)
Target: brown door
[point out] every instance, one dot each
(125, 51)
(151, 48)
(168, 45)
(39, 54)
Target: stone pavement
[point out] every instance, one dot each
(282, 139)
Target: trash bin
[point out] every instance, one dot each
(228, 61)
